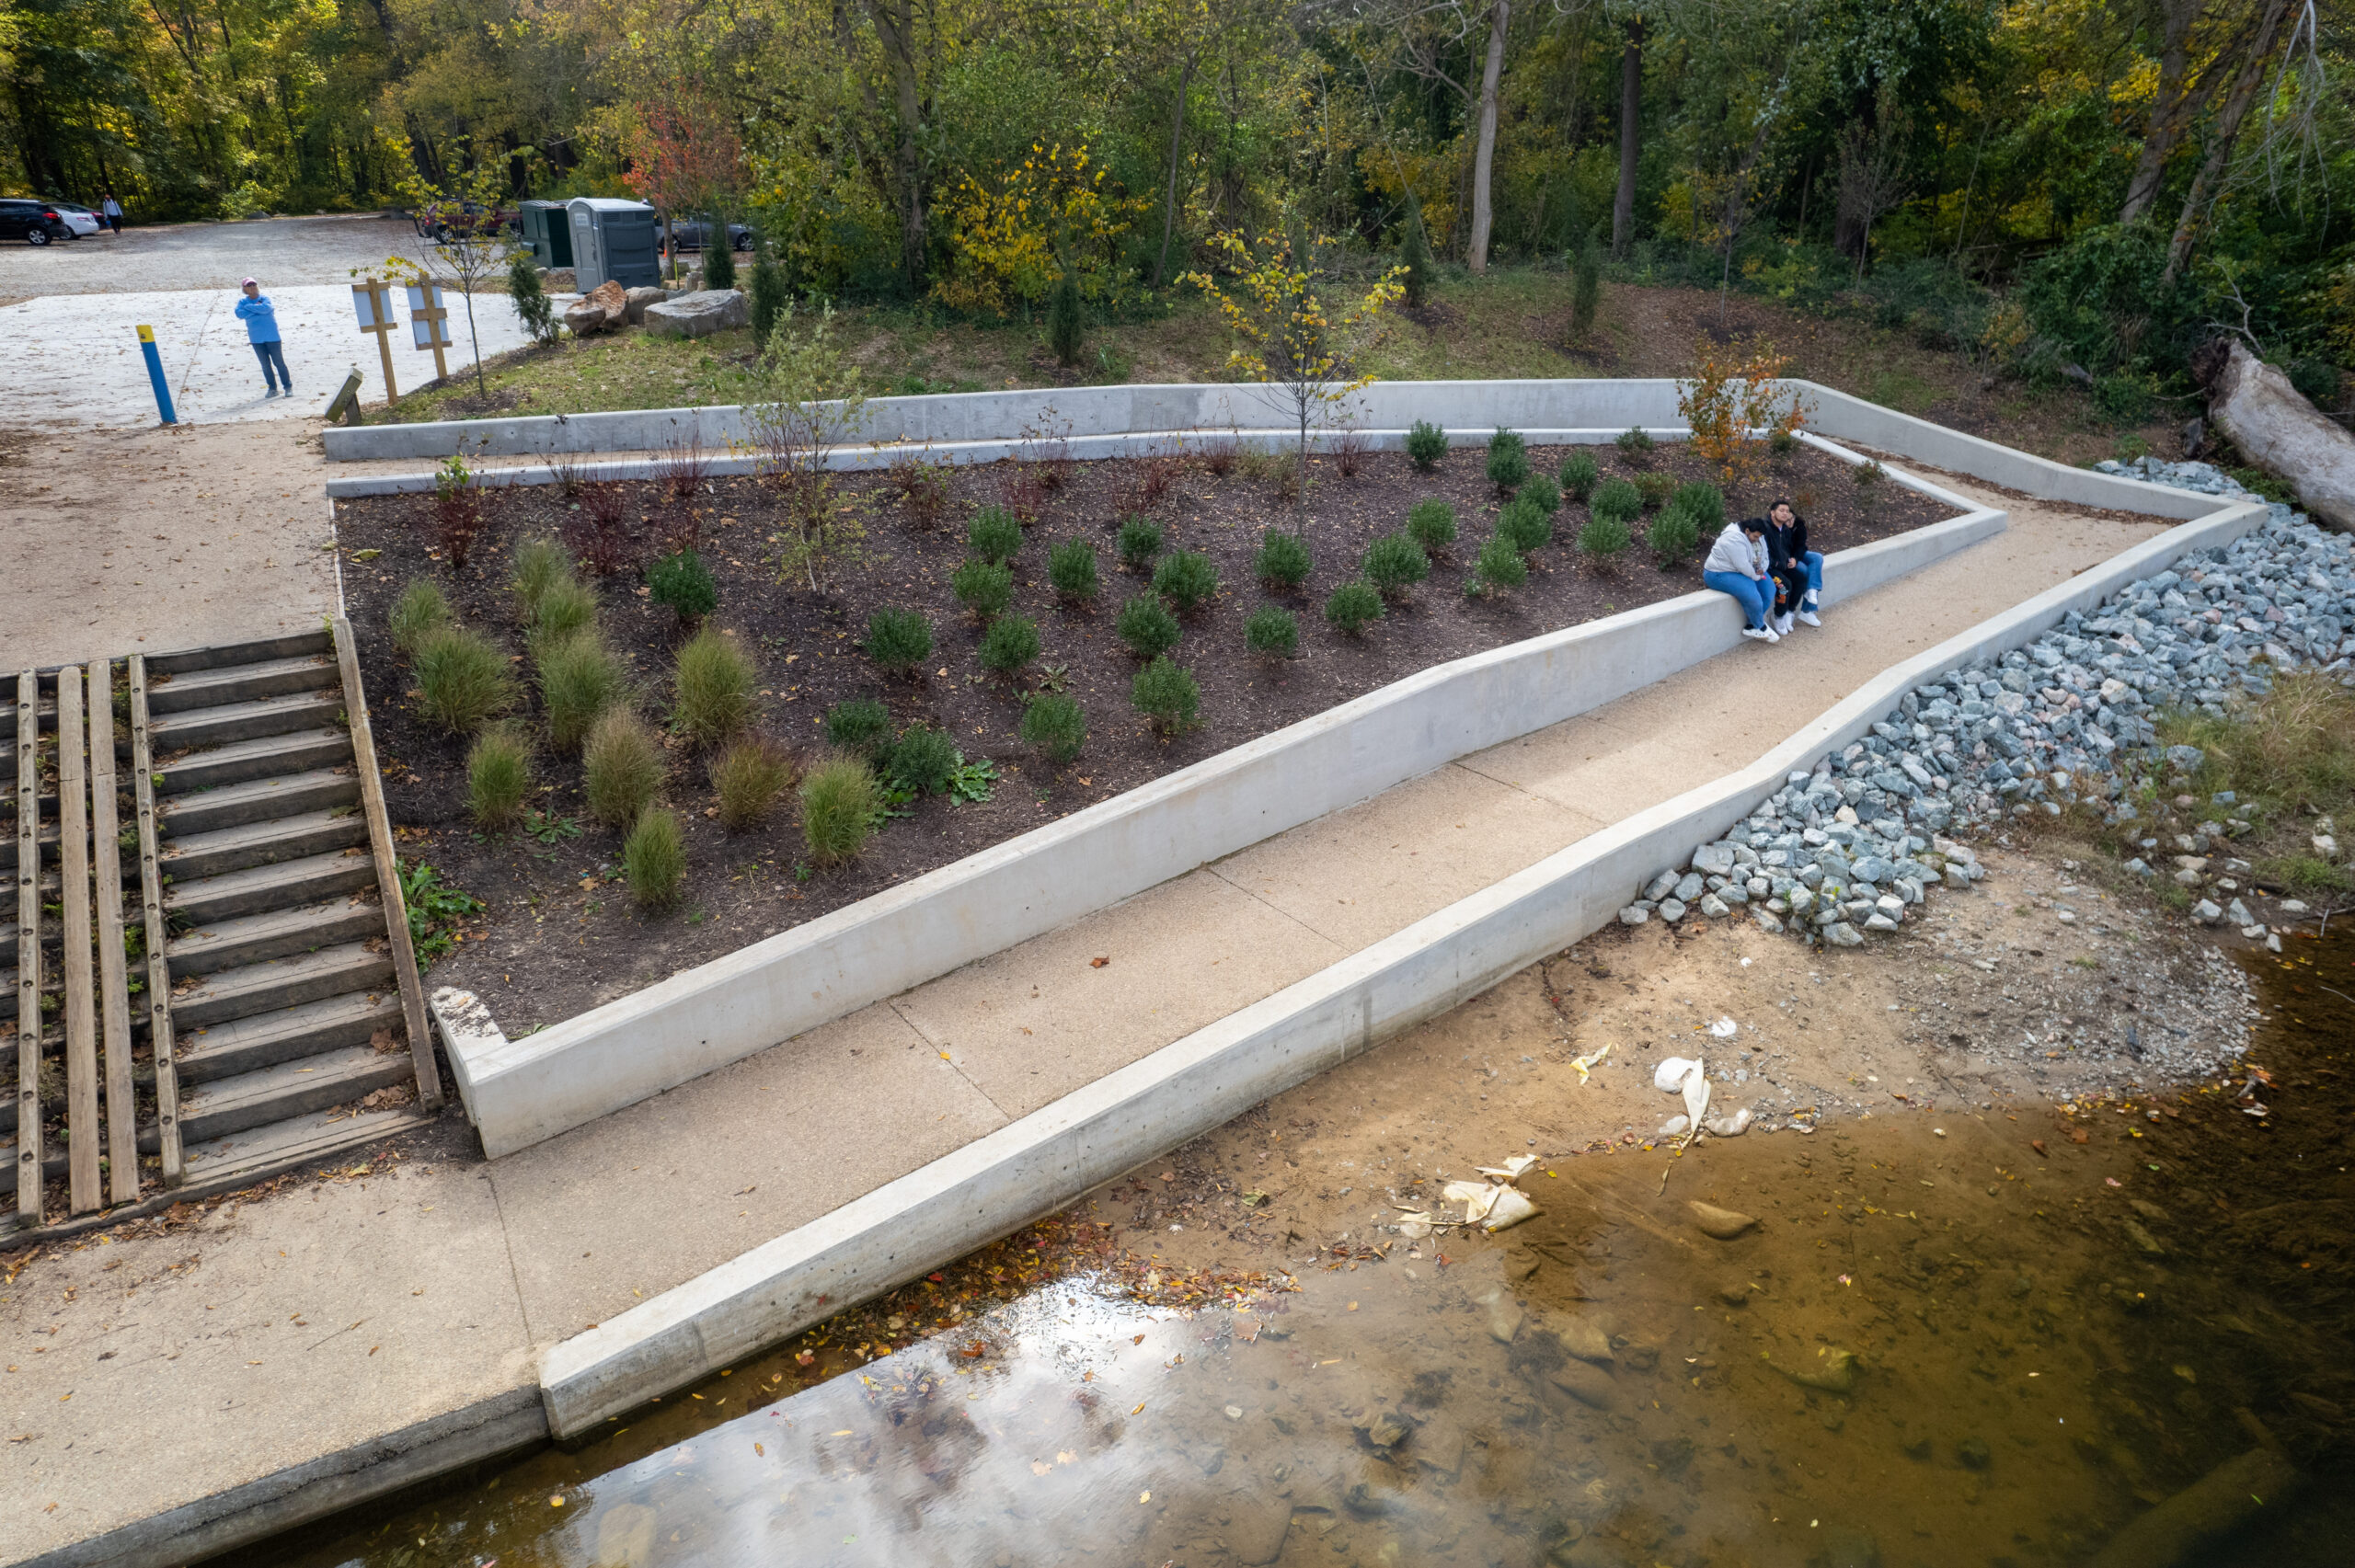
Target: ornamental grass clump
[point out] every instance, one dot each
(539, 563)
(1529, 526)
(747, 779)
(1432, 523)
(1139, 542)
(621, 768)
(862, 724)
(899, 641)
(1272, 632)
(420, 612)
(840, 797)
(1186, 579)
(579, 679)
(566, 608)
(1010, 645)
(462, 681)
(1282, 563)
(1055, 726)
(712, 697)
(1353, 606)
(1166, 693)
(1617, 499)
(1426, 444)
(1579, 475)
(1146, 627)
(922, 761)
(995, 534)
(1498, 567)
(682, 584)
(984, 588)
(1508, 461)
(1395, 564)
(1071, 571)
(499, 775)
(654, 859)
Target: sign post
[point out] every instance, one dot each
(373, 303)
(429, 324)
(155, 375)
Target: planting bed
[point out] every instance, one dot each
(559, 934)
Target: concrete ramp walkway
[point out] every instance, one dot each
(592, 1222)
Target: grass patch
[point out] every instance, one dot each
(840, 801)
(461, 678)
(654, 859)
(623, 768)
(747, 777)
(713, 694)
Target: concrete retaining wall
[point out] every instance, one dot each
(522, 1091)
(1046, 1160)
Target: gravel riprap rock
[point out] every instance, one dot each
(1855, 845)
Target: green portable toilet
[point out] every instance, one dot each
(548, 230)
(615, 240)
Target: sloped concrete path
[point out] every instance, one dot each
(305, 1328)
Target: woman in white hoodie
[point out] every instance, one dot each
(1737, 566)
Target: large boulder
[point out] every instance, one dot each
(602, 309)
(638, 301)
(699, 315)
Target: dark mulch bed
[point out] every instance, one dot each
(561, 936)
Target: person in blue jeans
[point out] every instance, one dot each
(1737, 567)
(1798, 568)
(262, 329)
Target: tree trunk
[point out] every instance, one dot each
(895, 27)
(1631, 99)
(2276, 427)
(1484, 155)
(2227, 130)
(2171, 110)
(1177, 139)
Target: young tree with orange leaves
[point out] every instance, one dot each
(684, 160)
(1735, 399)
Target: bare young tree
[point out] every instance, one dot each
(1873, 176)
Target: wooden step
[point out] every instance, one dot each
(245, 721)
(290, 645)
(258, 800)
(189, 856)
(250, 939)
(264, 1039)
(276, 983)
(287, 1089)
(260, 888)
(272, 756)
(243, 683)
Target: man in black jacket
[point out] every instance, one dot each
(1797, 571)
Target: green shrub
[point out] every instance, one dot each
(1066, 320)
(1415, 255)
(923, 760)
(1605, 537)
(1071, 568)
(499, 774)
(1055, 726)
(1508, 461)
(1138, 542)
(1527, 525)
(1393, 564)
(463, 679)
(1353, 604)
(1541, 493)
(1616, 498)
(747, 778)
(1431, 523)
(719, 256)
(1586, 287)
(1146, 627)
(567, 607)
(1654, 490)
(682, 584)
(654, 859)
(421, 612)
(1635, 443)
(579, 679)
(1579, 475)
(1675, 534)
(1704, 504)
(1426, 444)
(984, 588)
(1868, 474)
(712, 698)
(1165, 694)
(1282, 561)
(1185, 579)
(621, 768)
(538, 563)
(531, 299)
(995, 534)
(899, 640)
(863, 723)
(1010, 643)
(1500, 566)
(1272, 630)
(840, 801)
(771, 295)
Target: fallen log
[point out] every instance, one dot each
(2275, 428)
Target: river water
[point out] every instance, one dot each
(1941, 1345)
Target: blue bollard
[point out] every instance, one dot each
(155, 375)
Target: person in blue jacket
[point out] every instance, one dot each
(262, 329)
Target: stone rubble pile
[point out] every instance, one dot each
(1850, 847)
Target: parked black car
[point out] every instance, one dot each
(35, 223)
(694, 233)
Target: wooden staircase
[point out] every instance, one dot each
(264, 987)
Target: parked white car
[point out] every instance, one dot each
(81, 220)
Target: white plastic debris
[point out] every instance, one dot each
(1669, 1076)
(1591, 1059)
(1511, 1169)
(1696, 1095)
(1733, 1126)
(1509, 1209)
(1725, 1028)
(1674, 1127)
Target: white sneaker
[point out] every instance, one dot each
(1783, 627)
(1758, 633)
(1770, 634)
(1810, 617)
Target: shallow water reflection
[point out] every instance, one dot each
(1940, 1345)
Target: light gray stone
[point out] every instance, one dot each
(1633, 914)
(1672, 909)
(699, 315)
(635, 303)
(1842, 935)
